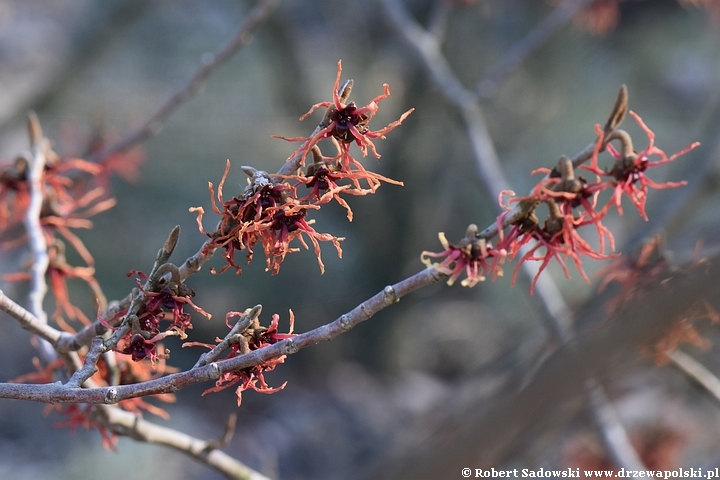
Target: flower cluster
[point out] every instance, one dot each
(473, 256)
(346, 123)
(627, 175)
(558, 236)
(327, 178)
(73, 190)
(166, 302)
(272, 210)
(571, 203)
(266, 213)
(255, 336)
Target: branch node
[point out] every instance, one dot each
(390, 294)
(112, 396)
(364, 310)
(290, 347)
(215, 371)
(345, 323)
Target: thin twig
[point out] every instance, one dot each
(89, 367)
(110, 316)
(428, 50)
(240, 326)
(193, 264)
(56, 393)
(85, 335)
(159, 269)
(228, 434)
(28, 321)
(153, 126)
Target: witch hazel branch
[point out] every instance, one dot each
(571, 203)
(120, 358)
(271, 212)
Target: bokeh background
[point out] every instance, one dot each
(381, 392)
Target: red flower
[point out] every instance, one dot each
(287, 225)
(347, 123)
(325, 175)
(166, 302)
(253, 338)
(558, 237)
(139, 348)
(59, 271)
(560, 187)
(637, 272)
(169, 301)
(472, 256)
(561, 192)
(68, 200)
(628, 172)
(267, 213)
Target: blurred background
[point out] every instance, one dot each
(402, 383)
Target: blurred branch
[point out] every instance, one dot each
(33, 228)
(539, 36)
(428, 50)
(88, 33)
(126, 423)
(36, 238)
(696, 371)
(28, 321)
(558, 314)
(437, 22)
(153, 126)
(615, 438)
